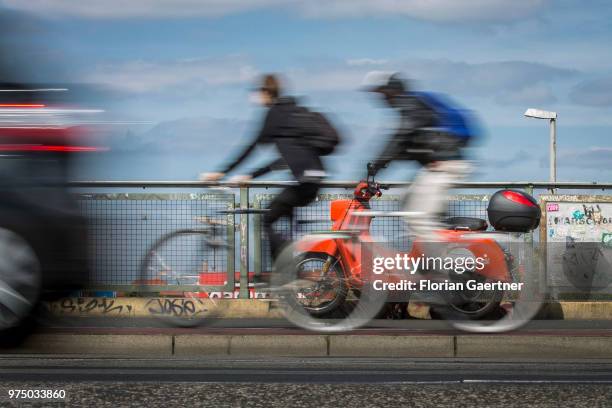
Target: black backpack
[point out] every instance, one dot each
(315, 130)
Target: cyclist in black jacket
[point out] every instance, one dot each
(303, 161)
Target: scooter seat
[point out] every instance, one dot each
(466, 223)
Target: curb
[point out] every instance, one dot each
(534, 346)
(283, 345)
(105, 344)
(196, 345)
(391, 346)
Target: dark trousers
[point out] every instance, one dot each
(282, 206)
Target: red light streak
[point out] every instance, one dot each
(22, 105)
(50, 148)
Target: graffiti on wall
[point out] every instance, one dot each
(579, 244)
(91, 306)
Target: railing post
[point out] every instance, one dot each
(529, 190)
(257, 244)
(244, 244)
(231, 248)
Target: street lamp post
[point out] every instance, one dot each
(552, 117)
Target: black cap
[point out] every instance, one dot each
(393, 85)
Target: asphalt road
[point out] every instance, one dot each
(313, 382)
(306, 382)
(300, 370)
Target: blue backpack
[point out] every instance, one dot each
(451, 119)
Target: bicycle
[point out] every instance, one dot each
(179, 271)
(173, 267)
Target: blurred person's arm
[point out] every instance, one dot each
(240, 158)
(398, 142)
(265, 135)
(390, 152)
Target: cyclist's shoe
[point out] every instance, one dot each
(217, 244)
(261, 281)
(265, 282)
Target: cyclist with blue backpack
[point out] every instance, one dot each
(431, 132)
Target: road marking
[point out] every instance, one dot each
(467, 381)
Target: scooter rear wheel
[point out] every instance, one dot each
(470, 305)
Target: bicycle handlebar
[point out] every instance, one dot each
(245, 211)
(315, 221)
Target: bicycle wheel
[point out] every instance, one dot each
(292, 288)
(173, 274)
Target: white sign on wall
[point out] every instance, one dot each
(584, 222)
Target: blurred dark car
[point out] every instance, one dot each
(43, 237)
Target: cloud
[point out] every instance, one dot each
(489, 78)
(534, 94)
(184, 136)
(180, 75)
(431, 10)
(518, 159)
(597, 92)
(596, 157)
(365, 61)
(110, 9)
(507, 82)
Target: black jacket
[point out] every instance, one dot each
(412, 140)
(303, 161)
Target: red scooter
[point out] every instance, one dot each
(335, 264)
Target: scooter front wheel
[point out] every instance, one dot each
(289, 284)
(329, 288)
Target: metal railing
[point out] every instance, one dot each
(337, 184)
(123, 225)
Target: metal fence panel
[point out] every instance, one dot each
(122, 227)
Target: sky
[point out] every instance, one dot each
(179, 72)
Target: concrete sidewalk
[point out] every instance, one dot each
(510, 345)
